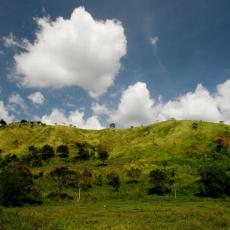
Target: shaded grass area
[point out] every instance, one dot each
(151, 213)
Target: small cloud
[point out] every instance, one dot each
(16, 101)
(36, 98)
(4, 113)
(99, 109)
(154, 40)
(11, 41)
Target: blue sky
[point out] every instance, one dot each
(128, 62)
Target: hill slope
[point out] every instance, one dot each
(170, 137)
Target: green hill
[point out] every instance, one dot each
(184, 146)
(170, 137)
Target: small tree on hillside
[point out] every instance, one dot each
(161, 181)
(86, 180)
(113, 179)
(83, 151)
(16, 186)
(103, 154)
(2, 123)
(214, 181)
(63, 151)
(47, 152)
(112, 126)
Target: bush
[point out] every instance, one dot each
(113, 179)
(63, 151)
(161, 181)
(59, 196)
(66, 177)
(47, 152)
(214, 181)
(16, 186)
(2, 123)
(103, 155)
(84, 151)
(34, 157)
(86, 180)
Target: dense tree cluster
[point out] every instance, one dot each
(17, 186)
(214, 182)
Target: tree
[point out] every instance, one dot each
(47, 152)
(2, 123)
(83, 150)
(16, 186)
(113, 179)
(86, 180)
(134, 174)
(103, 155)
(194, 125)
(112, 126)
(34, 157)
(65, 177)
(63, 151)
(214, 181)
(161, 181)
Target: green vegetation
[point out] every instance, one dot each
(160, 176)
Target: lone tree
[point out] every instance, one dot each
(16, 186)
(113, 179)
(63, 151)
(214, 181)
(103, 155)
(47, 152)
(161, 181)
(86, 180)
(2, 123)
(194, 125)
(112, 126)
(83, 151)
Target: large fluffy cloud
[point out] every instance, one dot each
(79, 51)
(4, 113)
(137, 107)
(76, 118)
(197, 105)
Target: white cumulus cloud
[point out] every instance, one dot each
(137, 107)
(4, 114)
(37, 98)
(99, 109)
(16, 101)
(76, 118)
(197, 105)
(79, 51)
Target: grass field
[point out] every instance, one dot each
(151, 213)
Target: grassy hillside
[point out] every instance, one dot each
(181, 145)
(171, 137)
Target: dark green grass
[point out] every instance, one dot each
(150, 213)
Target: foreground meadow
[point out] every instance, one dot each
(150, 213)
